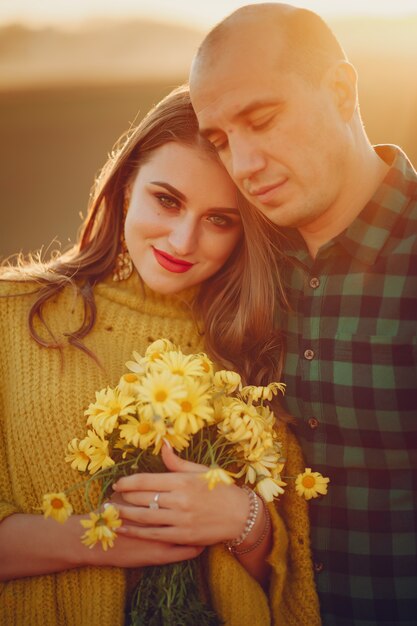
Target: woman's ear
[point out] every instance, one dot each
(342, 80)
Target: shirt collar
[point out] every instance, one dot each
(368, 233)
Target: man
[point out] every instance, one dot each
(275, 94)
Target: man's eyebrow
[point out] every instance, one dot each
(255, 105)
(247, 110)
(170, 188)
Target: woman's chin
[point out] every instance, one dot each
(166, 287)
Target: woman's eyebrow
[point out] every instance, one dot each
(225, 210)
(170, 188)
(182, 197)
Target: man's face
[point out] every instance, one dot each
(282, 139)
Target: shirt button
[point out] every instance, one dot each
(313, 423)
(318, 567)
(309, 354)
(314, 282)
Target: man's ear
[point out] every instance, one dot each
(342, 80)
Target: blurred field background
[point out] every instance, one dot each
(67, 94)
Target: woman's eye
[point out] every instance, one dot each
(169, 202)
(219, 220)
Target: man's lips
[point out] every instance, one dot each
(266, 192)
(171, 263)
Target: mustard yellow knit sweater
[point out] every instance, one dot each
(43, 397)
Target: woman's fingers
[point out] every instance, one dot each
(130, 551)
(152, 533)
(160, 481)
(146, 482)
(165, 534)
(175, 464)
(149, 517)
(168, 481)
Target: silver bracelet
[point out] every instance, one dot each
(262, 536)
(250, 521)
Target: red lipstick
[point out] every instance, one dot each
(171, 263)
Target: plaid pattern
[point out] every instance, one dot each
(351, 374)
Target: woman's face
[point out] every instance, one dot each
(182, 222)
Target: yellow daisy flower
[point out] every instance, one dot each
(180, 364)
(226, 381)
(195, 409)
(103, 415)
(260, 462)
(269, 488)
(158, 347)
(138, 366)
(138, 432)
(267, 415)
(56, 505)
(254, 394)
(265, 463)
(206, 364)
(101, 528)
(178, 441)
(164, 429)
(128, 384)
(163, 392)
(311, 484)
(241, 422)
(95, 407)
(261, 442)
(141, 364)
(217, 475)
(79, 454)
(98, 452)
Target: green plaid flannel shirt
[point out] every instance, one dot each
(351, 380)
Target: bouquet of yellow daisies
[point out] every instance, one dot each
(208, 417)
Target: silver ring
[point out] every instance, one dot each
(154, 504)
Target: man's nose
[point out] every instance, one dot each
(246, 159)
(183, 237)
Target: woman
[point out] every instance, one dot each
(164, 218)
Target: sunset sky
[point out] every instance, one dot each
(201, 14)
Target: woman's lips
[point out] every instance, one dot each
(170, 263)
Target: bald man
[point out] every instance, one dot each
(275, 94)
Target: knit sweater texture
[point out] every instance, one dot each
(44, 393)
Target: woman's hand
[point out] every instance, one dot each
(31, 546)
(135, 552)
(185, 511)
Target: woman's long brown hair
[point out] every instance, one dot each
(237, 305)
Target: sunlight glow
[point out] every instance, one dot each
(202, 15)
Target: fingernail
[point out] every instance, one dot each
(167, 443)
(106, 505)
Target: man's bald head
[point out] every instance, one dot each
(304, 42)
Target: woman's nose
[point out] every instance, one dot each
(183, 237)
